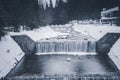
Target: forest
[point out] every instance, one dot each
(29, 13)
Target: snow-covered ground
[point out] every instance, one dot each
(96, 31)
(41, 33)
(10, 54)
(114, 53)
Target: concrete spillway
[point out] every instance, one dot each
(65, 46)
(59, 64)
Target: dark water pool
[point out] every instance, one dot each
(63, 64)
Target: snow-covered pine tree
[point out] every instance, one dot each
(47, 3)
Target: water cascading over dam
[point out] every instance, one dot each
(74, 42)
(65, 46)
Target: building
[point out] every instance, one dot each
(110, 16)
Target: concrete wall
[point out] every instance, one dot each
(114, 53)
(104, 45)
(26, 43)
(10, 55)
(110, 45)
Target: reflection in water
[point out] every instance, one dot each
(59, 64)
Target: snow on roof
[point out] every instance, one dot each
(110, 10)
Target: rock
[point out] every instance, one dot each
(68, 59)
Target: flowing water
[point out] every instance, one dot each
(65, 46)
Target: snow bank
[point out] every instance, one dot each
(114, 53)
(41, 33)
(96, 31)
(10, 54)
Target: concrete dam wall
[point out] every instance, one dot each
(107, 45)
(31, 47)
(110, 45)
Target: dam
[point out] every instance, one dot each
(55, 58)
(59, 40)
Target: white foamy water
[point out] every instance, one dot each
(69, 53)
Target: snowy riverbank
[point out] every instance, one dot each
(114, 53)
(10, 55)
(41, 33)
(96, 31)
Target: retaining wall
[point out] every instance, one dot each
(110, 45)
(104, 45)
(26, 43)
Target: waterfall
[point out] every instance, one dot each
(48, 3)
(65, 46)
